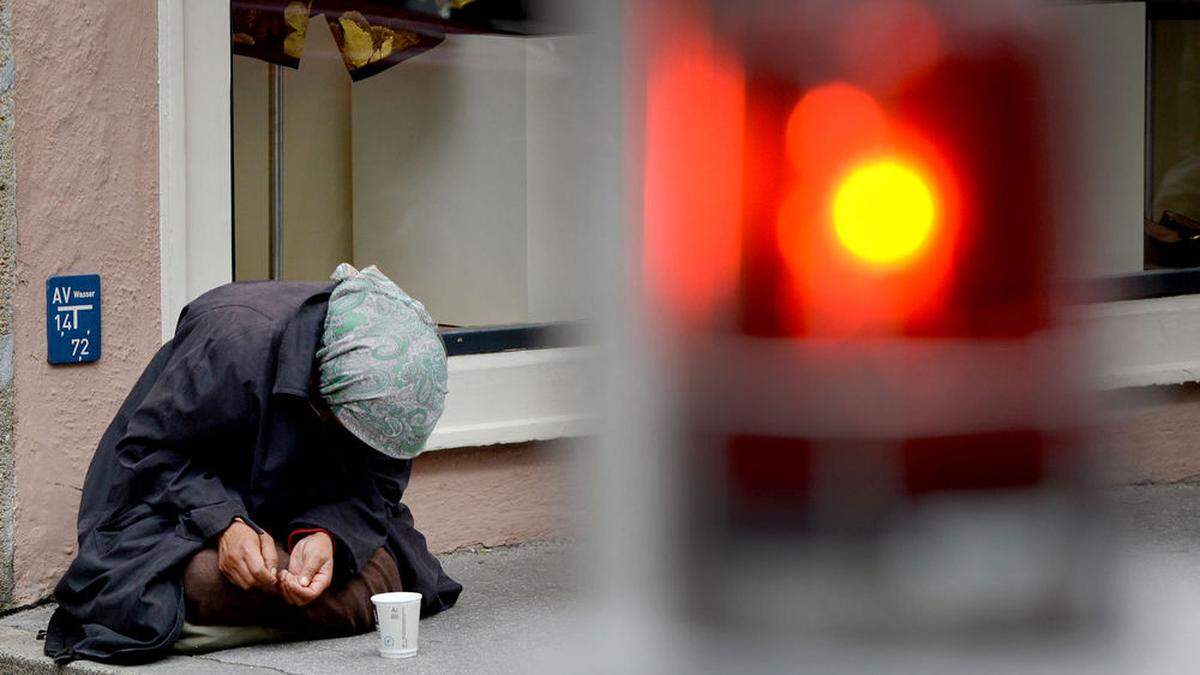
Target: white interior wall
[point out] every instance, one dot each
(457, 172)
(1100, 98)
(466, 188)
(250, 178)
(555, 137)
(439, 178)
(317, 209)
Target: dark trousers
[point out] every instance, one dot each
(212, 600)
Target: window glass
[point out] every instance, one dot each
(1172, 228)
(437, 140)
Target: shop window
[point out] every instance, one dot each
(1172, 226)
(437, 139)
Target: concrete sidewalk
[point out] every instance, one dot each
(522, 601)
(514, 597)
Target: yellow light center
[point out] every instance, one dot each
(883, 212)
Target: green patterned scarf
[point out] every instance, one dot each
(381, 365)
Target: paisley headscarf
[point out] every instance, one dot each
(381, 365)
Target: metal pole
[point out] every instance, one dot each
(275, 168)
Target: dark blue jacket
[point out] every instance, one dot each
(220, 426)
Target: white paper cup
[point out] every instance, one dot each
(397, 616)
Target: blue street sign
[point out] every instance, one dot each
(73, 318)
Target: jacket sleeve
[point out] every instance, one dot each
(207, 395)
(358, 518)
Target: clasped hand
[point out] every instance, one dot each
(249, 560)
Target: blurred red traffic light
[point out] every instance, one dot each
(869, 222)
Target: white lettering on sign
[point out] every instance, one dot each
(69, 321)
(62, 294)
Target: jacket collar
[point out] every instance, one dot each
(298, 345)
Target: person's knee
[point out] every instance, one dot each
(202, 573)
(202, 582)
(335, 614)
(211, 599)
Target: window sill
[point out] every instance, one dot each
(515, 397)
(1144, 343)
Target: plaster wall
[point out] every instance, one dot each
(495, 495)
(1152, 435)
(86, 132)
(8, 260)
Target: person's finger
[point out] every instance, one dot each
(320, 581)
(270, 555)
(226, 566)
(311, 565)
(252, 557)
(301, 595)
(296, 561)
(287, 588)
(305, 595)
(318, 584)
(229, 576)
(296, 590)
(245, 569)
(297, 569)
(246, 562)
(236, 571)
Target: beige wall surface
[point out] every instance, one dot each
(1153, 436)
(86, 126)
(494, 496)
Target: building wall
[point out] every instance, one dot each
(8, 277)
(1152, 435)
(495, 495)
(86, 131)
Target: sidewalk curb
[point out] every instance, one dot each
(21, 652)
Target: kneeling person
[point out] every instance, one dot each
(253, 476)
